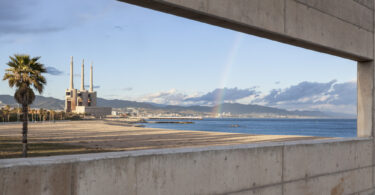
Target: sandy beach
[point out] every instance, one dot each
(107, 136)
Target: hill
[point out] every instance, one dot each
(233, 108)
(40, 102)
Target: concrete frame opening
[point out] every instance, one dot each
(289, 21)
(336, 166)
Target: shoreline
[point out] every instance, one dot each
(96, 136)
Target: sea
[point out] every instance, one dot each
(307, 127)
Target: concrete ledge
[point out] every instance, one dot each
(302, 161)
(306, 23)
(4, 163)
(43, 179)
(325, 29)
(259, 168)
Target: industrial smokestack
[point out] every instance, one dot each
(83, 75)
(71, 74)
(91, 79)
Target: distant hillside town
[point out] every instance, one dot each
(144, 109)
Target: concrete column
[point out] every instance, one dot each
(83, 76)
(365, 98)
(74, 100)
(365, 94)
(71, 74)
(91, 79)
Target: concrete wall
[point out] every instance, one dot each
(343, 28)
(339, 27)
(312, 167)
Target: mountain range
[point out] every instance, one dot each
(233, 108)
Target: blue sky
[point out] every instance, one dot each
(145, 55)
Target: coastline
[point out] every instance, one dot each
(97, 136)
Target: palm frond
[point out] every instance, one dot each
(23, 73)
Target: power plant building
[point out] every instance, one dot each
(83, 101)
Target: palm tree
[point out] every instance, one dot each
(23, 73)
(32, 115)
(2, 114)
(41, 114)
(7, 111)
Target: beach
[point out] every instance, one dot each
(72, 137)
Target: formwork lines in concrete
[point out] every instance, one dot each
(282, 183)
(73, 180)
(3, 183)
(356, 1)
(373, 105)
(326, 13)
(363, 191)
(284, 16)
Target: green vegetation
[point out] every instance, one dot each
(23, 73)
(8, 114)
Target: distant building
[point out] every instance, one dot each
(83, 101)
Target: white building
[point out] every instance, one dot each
(83, 101)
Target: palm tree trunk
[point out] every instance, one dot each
(24, 130)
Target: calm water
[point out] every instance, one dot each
(311, 127)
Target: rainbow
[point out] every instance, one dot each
(231, 59)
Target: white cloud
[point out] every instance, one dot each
(330, 96)
(171, 97)
(225, 94)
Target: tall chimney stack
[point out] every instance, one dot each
(71, 73)
(91, 79)
(83, 75)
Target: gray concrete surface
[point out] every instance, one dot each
(365, 98)
(339, 27)
(343, 28)
(337, 166)
(340, 166)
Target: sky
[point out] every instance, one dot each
(144, 55)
